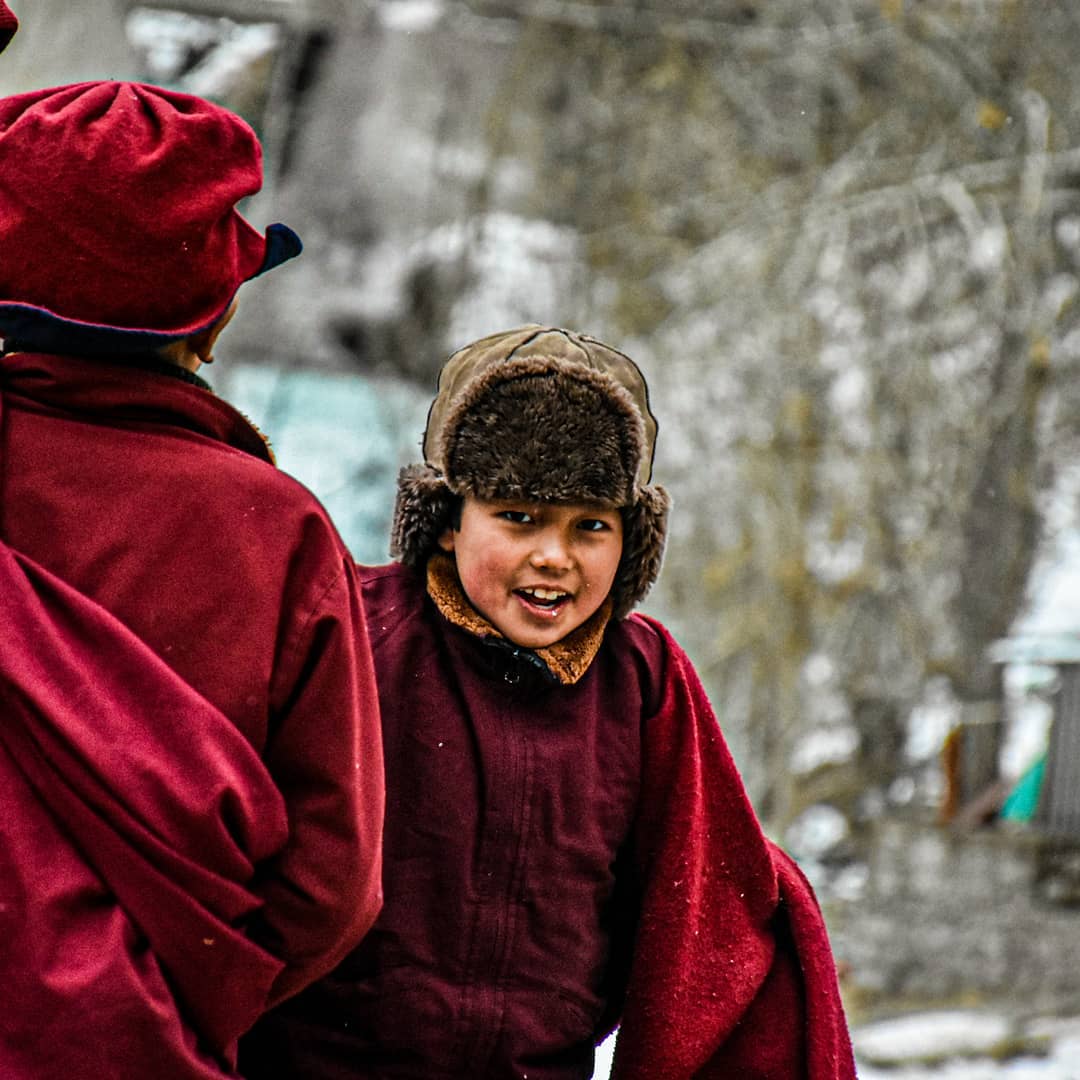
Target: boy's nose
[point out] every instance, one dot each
(551, 552)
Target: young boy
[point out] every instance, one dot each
(568, 846)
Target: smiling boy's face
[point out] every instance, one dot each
(535, 571)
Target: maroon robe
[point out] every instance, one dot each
(733, 974)
(561, 858)
(190, 753)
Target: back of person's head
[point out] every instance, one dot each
(539, 414)
(118, 219)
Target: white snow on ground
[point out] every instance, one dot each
(1056, 1068)
(603, 1059)
(960, 1042)
(937, 1035)
(960, 1038)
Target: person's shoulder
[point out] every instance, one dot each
(646, 643)
(392, 593)
(640, 645)
(389, 578)
(236, 469)
(644, 636)
(255, 516)
(257, 497)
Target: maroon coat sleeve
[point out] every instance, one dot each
(732, 973)
(323, 892)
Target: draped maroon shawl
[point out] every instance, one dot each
(733, 975)
(118, 774)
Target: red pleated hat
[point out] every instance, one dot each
(118, 213)
(8, 25)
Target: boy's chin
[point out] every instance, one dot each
(525, 635)
(537, 641)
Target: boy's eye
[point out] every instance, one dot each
(518, 517)
(593, 525)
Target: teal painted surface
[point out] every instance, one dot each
(1023, 800)
(344, 437)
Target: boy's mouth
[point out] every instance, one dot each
(545, 599)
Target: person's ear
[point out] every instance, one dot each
(202, 343)
(446, 540)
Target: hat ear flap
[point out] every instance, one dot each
(644, 533)
(424, 508)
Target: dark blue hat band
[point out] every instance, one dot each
(36, 329)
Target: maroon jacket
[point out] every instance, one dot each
(191, 756)
(560, 857)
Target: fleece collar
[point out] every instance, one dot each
(113, 391)
(567, 660)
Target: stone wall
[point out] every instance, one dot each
(990, 916)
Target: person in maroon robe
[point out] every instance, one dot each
(190, 746)
(568, 847)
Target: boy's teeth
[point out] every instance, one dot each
(544, 594)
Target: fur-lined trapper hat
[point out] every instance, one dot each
(539, 414)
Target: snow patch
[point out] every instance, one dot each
(200, 55)
(930, 721)
(928, 1037)
(849, 391)
(410, 16)
(816, 831)
(825, 746)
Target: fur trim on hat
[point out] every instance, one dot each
(424, 508)
(546, 430)
(644, 536)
